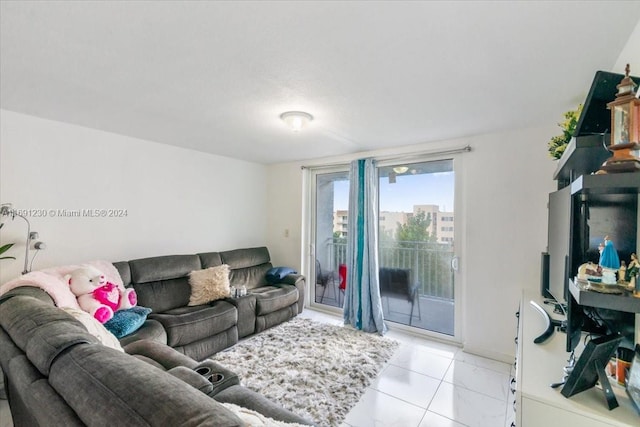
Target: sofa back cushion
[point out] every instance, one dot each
(162, 283)
(248, 266)
(125, 272)
(210, 259)
(41, 330)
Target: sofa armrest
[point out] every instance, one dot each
(220, 377)
(192, 378)
(292, 279)
(299, 281)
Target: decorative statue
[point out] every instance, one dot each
(632, 270)
(622, 272)
(610, 262)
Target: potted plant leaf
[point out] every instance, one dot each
(5, 248)
(559, 143)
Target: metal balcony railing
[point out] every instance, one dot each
(430, 263)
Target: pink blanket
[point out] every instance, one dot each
(51, 280)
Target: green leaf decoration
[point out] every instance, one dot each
(559, 143)
(5, 248)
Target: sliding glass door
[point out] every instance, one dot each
(416, 238)
(329, 250)
(417, 233)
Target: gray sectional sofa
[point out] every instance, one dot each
(162, 284)
(56, 373)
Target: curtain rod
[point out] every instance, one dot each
(406, 156)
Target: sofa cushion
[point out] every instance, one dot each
(41, 330)
(251, 277)
(273, 298)
(209, 284)
(243, 258)
(125, 272)
(210, 259)
(162, 283)
(187, 324)
(164, 295)
(90, 380)
(158, 268)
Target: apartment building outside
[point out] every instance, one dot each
(442, 223)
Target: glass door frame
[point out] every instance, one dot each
(458, 249)
(309, 237)
(310, 234)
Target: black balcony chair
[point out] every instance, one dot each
(324, 279)
(396, 282)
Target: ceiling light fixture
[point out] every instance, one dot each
(400, 169)
(296, 120)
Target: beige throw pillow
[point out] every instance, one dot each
(209, 284)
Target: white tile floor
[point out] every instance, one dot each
(425, 384)
(431, 384)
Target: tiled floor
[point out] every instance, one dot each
(431, 384)
(425, 384)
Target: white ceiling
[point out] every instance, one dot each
(215, 76)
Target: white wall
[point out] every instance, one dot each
(506, 181)
(177, 200)
(630, 54)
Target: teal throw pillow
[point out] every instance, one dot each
(125, 322)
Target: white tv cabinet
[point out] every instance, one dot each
(539, 365)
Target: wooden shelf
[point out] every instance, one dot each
(583, 155)
(618, 183)
(621, 302)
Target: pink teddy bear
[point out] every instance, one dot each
(98, 297)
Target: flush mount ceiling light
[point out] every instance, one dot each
(296, 120)
(400, 169)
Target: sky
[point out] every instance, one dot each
(408, 190)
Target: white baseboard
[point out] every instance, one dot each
(500, 357)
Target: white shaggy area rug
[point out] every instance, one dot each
(315, 370)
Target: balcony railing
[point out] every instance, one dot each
(430, 263)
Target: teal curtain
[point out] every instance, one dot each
(363, 306)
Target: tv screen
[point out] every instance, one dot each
(558, 243)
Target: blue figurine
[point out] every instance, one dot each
(609, 257)
(609, 261)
